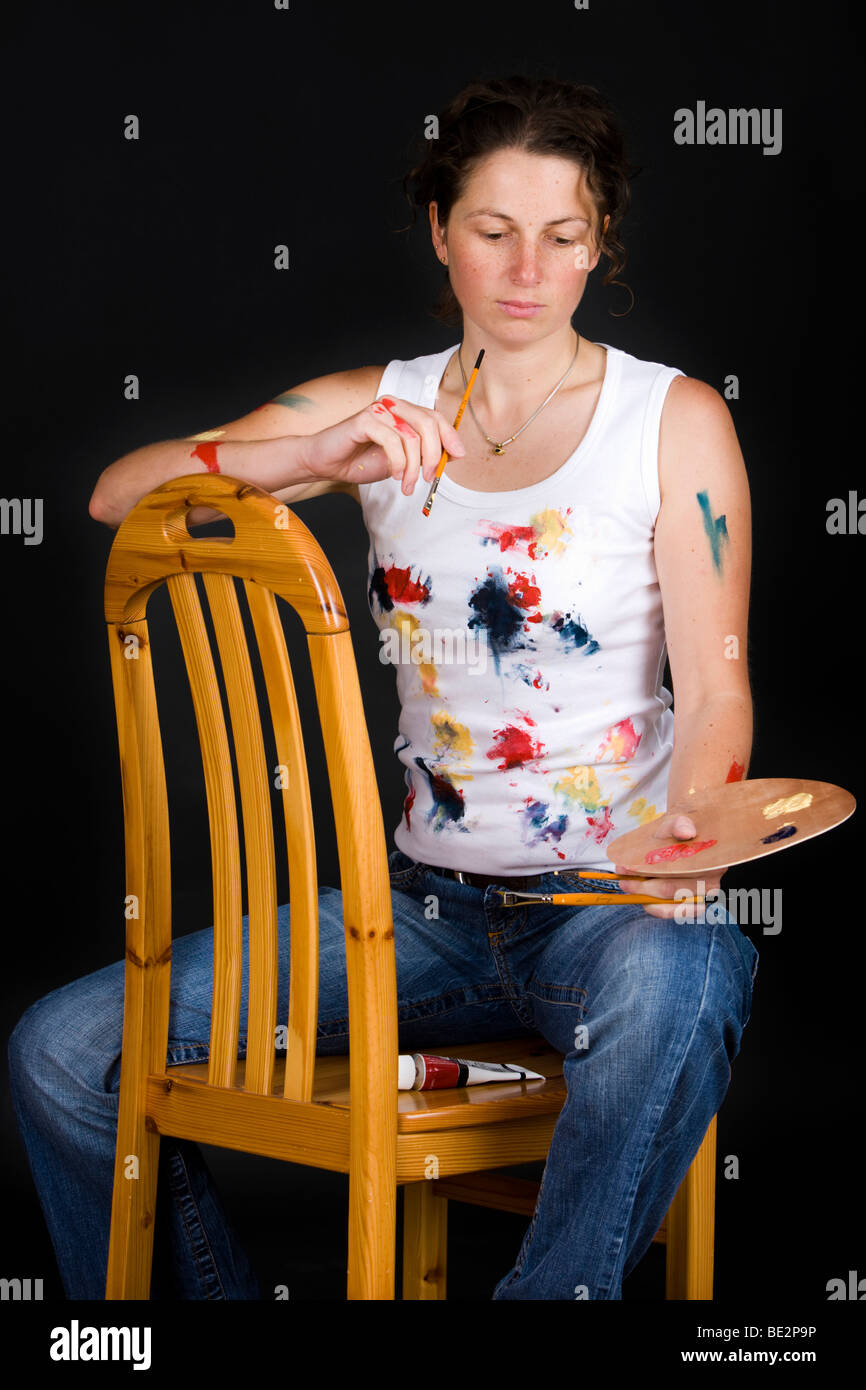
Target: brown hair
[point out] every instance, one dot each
(542, 115)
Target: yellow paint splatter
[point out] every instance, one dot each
(206, 436)
(641, 811)
(453, 745)
(581, 784)
(407, 623)
(786, 804)
(550, 527)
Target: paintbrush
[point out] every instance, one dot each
(440, 467)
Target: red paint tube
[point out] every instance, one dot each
(421, 1071)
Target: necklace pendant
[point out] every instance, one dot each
(498, 449)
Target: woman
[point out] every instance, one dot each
(618, 524)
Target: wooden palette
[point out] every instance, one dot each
(740, 820)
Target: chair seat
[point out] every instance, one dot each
(417, 1111)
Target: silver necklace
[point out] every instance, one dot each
(499, 448)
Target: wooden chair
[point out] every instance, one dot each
(340, 1113)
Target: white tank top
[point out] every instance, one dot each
(527, 633)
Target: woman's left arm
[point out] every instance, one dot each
(703, 557)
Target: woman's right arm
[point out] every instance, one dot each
(266, 447)
(326, 435)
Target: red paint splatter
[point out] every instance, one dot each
(408, 803)
(207, 454)
(735, 771)
(621, 740)
(403, 589)
(600, 826)
(510, 537)
(659, 856)
(515, 746)
(525, 593)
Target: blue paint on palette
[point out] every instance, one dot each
(784, 833)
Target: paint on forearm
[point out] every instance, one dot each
(206, 436)
(207, 453)
(716, 529)
(292, 401)
(735, 771)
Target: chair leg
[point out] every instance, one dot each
(425, 1242)
(690, 1227)
(133, 1210)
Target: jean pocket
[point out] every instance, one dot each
(402, 870)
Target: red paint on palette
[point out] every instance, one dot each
(207, 454)
(735, 771)
(671, 852)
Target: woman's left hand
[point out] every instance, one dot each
(679, 827)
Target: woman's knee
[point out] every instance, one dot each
(69, 1037)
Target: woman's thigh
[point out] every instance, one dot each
(447, 986)
(606, 968)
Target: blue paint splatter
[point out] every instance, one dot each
(448, 802)
(784, 834)
(571, 630)
(496, 612)
(716, 529)
(537, 825)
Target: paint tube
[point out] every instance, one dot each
(421, 1071)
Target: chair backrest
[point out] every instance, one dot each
(274, 553)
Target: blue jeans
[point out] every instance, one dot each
(663, 1006)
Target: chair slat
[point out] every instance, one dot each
(222, 820)
(370, 966)
(300, 846)
(147, 968)
(258, 829)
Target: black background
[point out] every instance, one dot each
(155, 257)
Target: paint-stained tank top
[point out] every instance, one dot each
(527, 635)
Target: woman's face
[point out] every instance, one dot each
(520, 243)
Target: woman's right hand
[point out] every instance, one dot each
(390, 438)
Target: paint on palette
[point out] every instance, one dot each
(716, 529)
(207, 454)
(292, 401)
(539, 827)
(672, 852)
(621, 741)
(735, 771)
(448, 806)
(783, 833)
(787, 804)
